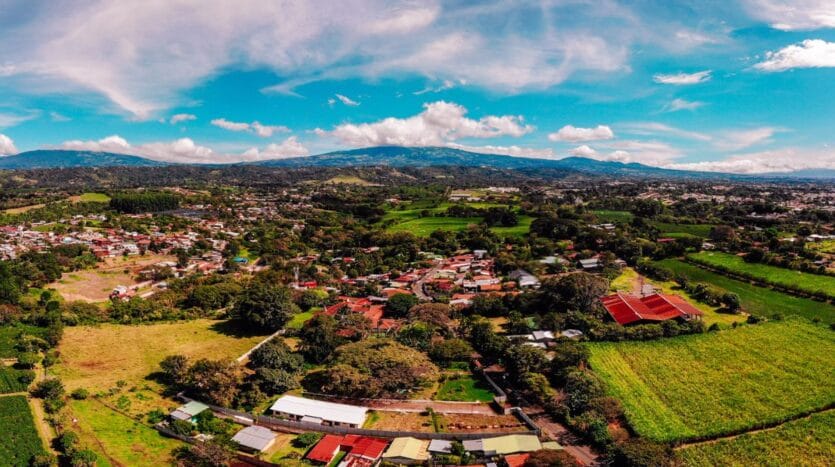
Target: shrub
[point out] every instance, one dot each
(305, 440)
(80, 394)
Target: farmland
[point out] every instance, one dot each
(14, 380)
(20, 440)
(679, 389)
(807, 441)
(422, 221)
(90, 198)
(806, 282)
(756, 300)
(682, 230)
(613, 216)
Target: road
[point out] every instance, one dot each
(418, 285)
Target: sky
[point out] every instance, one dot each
(743, 86)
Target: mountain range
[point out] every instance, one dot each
(393, 156)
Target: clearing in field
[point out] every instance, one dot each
(95, 285)
(811, 283)
(464, 387)
(807, 441)
(700, 386)
(756, 300)
(90, 198)
(19, 440)
(683, 230)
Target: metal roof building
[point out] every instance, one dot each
(315, 411)
(407, 450)
(255, 438)
(189, 411)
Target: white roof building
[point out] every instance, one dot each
(315, 411)
(255, 438)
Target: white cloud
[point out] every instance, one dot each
(7, 147)
(347, 100)
(446, 85)
(811, 53)
(574, 134)
(741, 139)
(175, 119)
(406, 20)
(9, 120)
(515, 151)
(795, 14)
(681, 104)
(264, 131)
(439, 123)
(7, 70)
(656, 128)
(681, 79)
(583, 151)
(186, 151)
(290, 147)
(780, 160)
(645, 152)
(58, 117)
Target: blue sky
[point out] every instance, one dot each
(745, 86)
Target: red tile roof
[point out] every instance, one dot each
(516, 460)
(628, 309)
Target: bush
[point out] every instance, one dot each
(80, 394)
(305, 440)
(155, 416)
(28, 359)
(49, 389)
(182, 427)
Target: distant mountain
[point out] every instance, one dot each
(54, 158)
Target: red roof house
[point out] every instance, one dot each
(361, 450)
(325, 450)
(630, 309)
(516, 460)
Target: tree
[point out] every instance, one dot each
(211, 453)
(436, 314)
(312, 297)
(215, 381)
(580, 388)
(523, 359)
(275, 381)
(51, 388)
(399, 304)
(568, 355)
(417, 335)
(9, 287)
(84, 458)
(488, 305)
(265, 306)
(175, 369)
(451, 350)
(276, 355)
(550, 458)
(579, 292)
(731, 302)
(319, 338)
(639, 452)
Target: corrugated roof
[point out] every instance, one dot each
(254, 437)
(408, 448)
(189, 410)
(627, 309)
(325, 449)
(511, 444)
(440, 445)
(302, 407)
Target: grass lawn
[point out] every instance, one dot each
(410, 220)
(10, 380)
(756, 300)
(95, 285)
(117, 439)
(518, 230)
(23, 209)
(718, 383)
(807, 441)
(613, 217)
(423, 226)
(464, 387)
(19, 440)
(284, 453)
(771, 274)
(683, 230)
(90, 198)
(299, 319)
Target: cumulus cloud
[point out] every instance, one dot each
(347, 100)
(186, 151)
(574, 134)
(779, 160)
(290, 147)
(651, 152)
(264, 131)
(438, 124)
(583, 151)
(794, 15)
(7, 147)
(175, 119)
(681, 104)
(811, 53)
(682, 79)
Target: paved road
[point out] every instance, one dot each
(417, 286)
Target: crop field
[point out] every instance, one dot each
(760, 301)
(11, 379)
(424, 226)
(698, 386)
(464, 388)
(95, 285)
(19, 440)
(807, 441)
(612, 217)
(683, 230)
(811, 283)
(8, 338)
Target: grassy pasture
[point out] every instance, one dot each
(756, 300)
(90, 198)
(826, 246)
(464, 387)
(807, 441)
(424, 226)
(95, 285)
(772, 274)
(698, 386)
(19, 440)
(683, 230)
(606, 216)
(410, 220)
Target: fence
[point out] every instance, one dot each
(296, 427)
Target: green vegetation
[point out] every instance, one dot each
(683, 230)
(92, 198)
(826, 246)
(773, 275)
(756, 300)
(9, 337)
(807, 441)
(464, 387)
(705, 385)
(606, 216)
(14, 380)
(424, 226)
(19, 440)
(522, 228)
(422, 219)
(298, 320)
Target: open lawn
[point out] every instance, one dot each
(683, 230)
(118, 439)
(464, 387)
(95, 285)
(9, 335)
(414, 219)
(19, 439)
(298, 320)
(699, 386)
(96, 357)
(808, 441)
(423, 226)
(613, 217)
(90, 198)
(811, 283)
(760, 301)
(518, 230)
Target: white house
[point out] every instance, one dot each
(320, 412)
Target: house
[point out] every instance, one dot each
(255, 438)
(543, 336)
(189, 412)
(407, 451)
(325, 450)
(629, 309)
(319, 412)
(440, 447)
(590, 264)
(524, 279)
(503, 445)
(360, 450)
(516, 460)
(572, 333)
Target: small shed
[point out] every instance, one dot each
(255, 438)
(189, 412)
(407, 451)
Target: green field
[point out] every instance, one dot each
(92, 198)
(464, 388)
(424, 226)
(826, 246)
(698, 386)
(811, 283)
(682, 230)
(756, 300)
(11, 380)
(605, 216)
(299, 319)
(807, 441)
(522, 228)
(410, 220)
(19, 440)
(9, 334)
